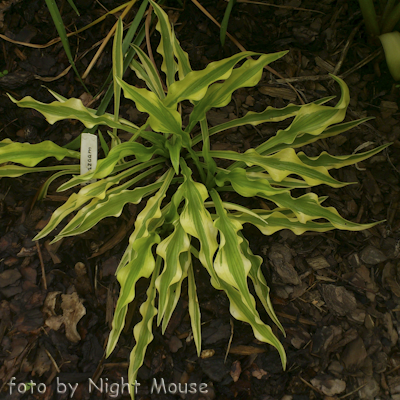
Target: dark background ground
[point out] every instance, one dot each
(337, 294)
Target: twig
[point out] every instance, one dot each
(52, 359)
(302, 79)
(352, 392)
(311, 386)
(393, 370)
(105, 41)
(346, 49)
(42, 266)
(366, 60)
(230, 341)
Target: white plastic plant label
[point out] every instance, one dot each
(88, 152)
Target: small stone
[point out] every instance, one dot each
(380, 362)
(329, 385)
(317, 263)
(250, 101)
(336, 368)
(371, 255)
(370, 390)
(338, 299)
(281, 259)
(354, 354)
(8, 277)
(394, 384)
(215, 368)
(175, 344)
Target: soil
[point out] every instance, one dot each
(337, 294)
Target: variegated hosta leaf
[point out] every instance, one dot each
(143, 331)
(259, 283)
(183, 59)
(98, 191)
(30, 155)
(150, 73)
(312, 119)
(106, 165)
(174, 146)
(308, 208)
(276, 221)
(13, 171)
(194, 310)
(230, 263)
(195, 84)
(270, 114)
(220, 94)
(242, 312)
(170, 250)
(305, 139)
(328, 161)
(166, 46)
(138, 260)
(72, 109)
(174, 291)
(243, 182)
(162, 119)
(111, 206)
(197, 222)
(282, 164)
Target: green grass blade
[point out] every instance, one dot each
(225, 21)
(59, 24)
(369, 15)
(118, 60)
(72, 4)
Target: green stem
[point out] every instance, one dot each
(391, 21)
(369, 15)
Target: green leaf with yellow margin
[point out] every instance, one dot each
(220, 94)
(153, 80)
(230, 264)
(166, 46)
(195, 84)
(30, 155)
(13, 171)
(106, 165)
(97, 190)
(282, 164)
(72, 109)
(197, 222)
(194, 310)
(162, 118)
(276, 221)
(259, 282)
(241, 312)
(143, 331)
(170, 250)
(138, 260)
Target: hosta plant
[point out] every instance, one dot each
(186, 214)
